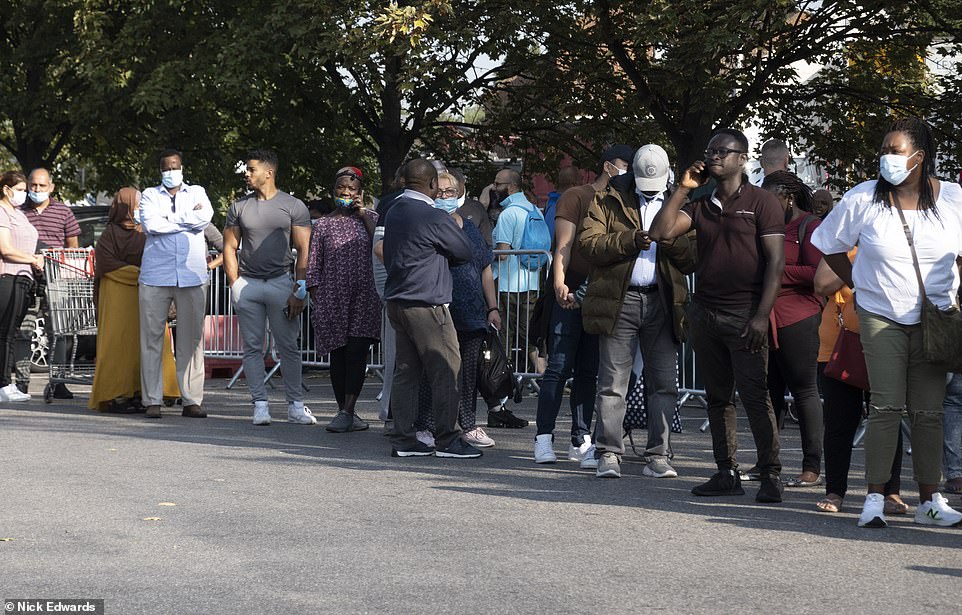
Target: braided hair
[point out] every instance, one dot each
(789, 184)
(920, 135)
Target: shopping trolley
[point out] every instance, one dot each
(70, 301)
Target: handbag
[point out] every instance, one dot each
(847, 363)
(941, 329)
(495, 372)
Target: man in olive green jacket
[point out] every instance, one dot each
(636, 296)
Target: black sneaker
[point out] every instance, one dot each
(724, 482)
(505, 418)
(458, 449)
(770, 491)
(62, 392)
(417, 450)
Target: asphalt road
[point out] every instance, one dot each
(218, 516)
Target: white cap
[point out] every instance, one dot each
(651, 168)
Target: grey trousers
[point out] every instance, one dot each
(191, 302)
(642, 321)
(387, 351)
(425, 342)
(257, 302)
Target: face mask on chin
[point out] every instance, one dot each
(894, 168)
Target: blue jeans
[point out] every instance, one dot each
(952, 422)
(570, 349)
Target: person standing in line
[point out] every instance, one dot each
(346, 312)
(260, 230)
(793, 345)
(56, 228)
(570, 347)
(18, 246)
(904, 215)
(633, 289)
(775, 156)
(174, 271)
(421, 242)
(471, 209)
(741, 255)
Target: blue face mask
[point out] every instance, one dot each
(894, 168)
(344, 202)
(446, 205)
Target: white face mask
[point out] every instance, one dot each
(894, 168)
(462, 198)
(619, 171)
(19, 198)
(38, 197)
(172, 178)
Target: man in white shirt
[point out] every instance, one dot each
(634, 284)
(174, 271)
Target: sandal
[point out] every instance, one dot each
(831, 503)
(798, 481)
(894, 507)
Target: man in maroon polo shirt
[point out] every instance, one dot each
(740, 230)
(57, 228)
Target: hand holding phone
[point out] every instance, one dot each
(695, 176)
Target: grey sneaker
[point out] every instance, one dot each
(658, 467)
(341, 423)
(359, 424)
(609, 466)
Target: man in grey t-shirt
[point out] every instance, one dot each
(265, 224)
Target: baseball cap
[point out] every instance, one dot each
(622, 151)
(651, 168)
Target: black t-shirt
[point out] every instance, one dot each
(731, 262)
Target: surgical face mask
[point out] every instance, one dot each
(19, 197)
(172, 178)
(619, 171)
(461, 199)
(894, 168)
(38, 197)
(446, 205)
(342, 201)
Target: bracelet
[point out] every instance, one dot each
(494, 309)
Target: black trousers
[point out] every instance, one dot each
(15, 298)
(793, 365)
(349, 367)
(725, 364)
(843, 411)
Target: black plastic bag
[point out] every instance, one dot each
(495, 372)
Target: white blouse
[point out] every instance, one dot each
(884, 277)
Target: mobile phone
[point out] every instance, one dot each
(287, 312)
(703, 177)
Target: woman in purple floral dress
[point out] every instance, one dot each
(346, 311)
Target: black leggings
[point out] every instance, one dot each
(349, 367)
(843, 408)
(14, 300)
(793, 364)
(470, 347)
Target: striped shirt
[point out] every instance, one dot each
(54, 224)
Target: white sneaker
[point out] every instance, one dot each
(873, 512)
(577, 453)
(425, 437)
(937, 512)
(478, 438)
(589, 462)
(13, 394)
(543, 449)
(297, 412)
(262, 416)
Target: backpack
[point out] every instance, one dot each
(535, 237)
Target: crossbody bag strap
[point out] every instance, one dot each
(908, 237)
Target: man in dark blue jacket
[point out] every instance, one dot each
(420, 245)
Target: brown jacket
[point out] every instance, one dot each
(608, 242)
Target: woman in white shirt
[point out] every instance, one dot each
(889, 303)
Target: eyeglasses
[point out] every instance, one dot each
(721, 152)
(448, 193)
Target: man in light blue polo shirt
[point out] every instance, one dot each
(517, 285)
(174, 271)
